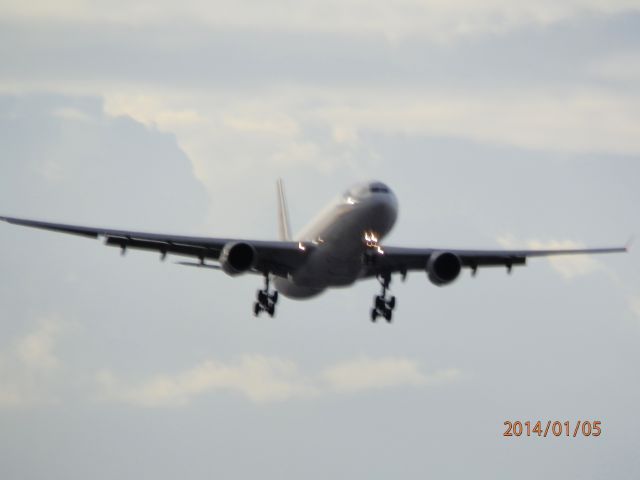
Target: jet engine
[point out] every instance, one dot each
(443, 268)
(237, 257)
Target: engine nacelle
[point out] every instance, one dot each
(237, 257)
(443, 268)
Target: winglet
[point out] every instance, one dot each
(284, 227)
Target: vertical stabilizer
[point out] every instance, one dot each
(284, 228)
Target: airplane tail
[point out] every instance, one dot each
(284, 228)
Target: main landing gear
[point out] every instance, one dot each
(266, 301)
(382, 305)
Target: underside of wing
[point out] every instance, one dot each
(235, 255)
(443, 265)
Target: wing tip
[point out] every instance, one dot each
(629, 243)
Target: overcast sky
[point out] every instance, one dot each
(496, 123)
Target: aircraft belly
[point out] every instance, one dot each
(292, 290)
(337, 259)
(328, 268)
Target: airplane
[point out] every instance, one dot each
(341, 246)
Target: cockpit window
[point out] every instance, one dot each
(362, 190)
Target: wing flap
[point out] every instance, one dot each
(162, 247)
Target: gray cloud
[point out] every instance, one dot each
(439, 20)
(268, 379)
(193, 55)
(63, 155)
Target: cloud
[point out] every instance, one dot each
(319, 129)
(262, 95)
(438, 19)
(568, 266)
(29, 365)
(69, 113)
(241, 133)
(618, 67)
(576, 121)
(255, 133)
(36, 350)
(263, 379)
(273, 124)
(259, 378)
(367, 373)
(83, 153)
(151, 110)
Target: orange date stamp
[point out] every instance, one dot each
(578, 428)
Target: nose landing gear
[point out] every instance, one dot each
(266, 301)
(383, 306)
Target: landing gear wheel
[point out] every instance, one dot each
(383, 306)
(266, 301)
(392, 303)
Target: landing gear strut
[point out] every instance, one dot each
(266, 301)
(382, 305)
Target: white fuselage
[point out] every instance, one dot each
(338, 238)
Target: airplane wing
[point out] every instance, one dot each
(284, 257)
(277, 257)
(399, 259)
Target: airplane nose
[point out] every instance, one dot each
(384, 210)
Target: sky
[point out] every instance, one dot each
(496, 123)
